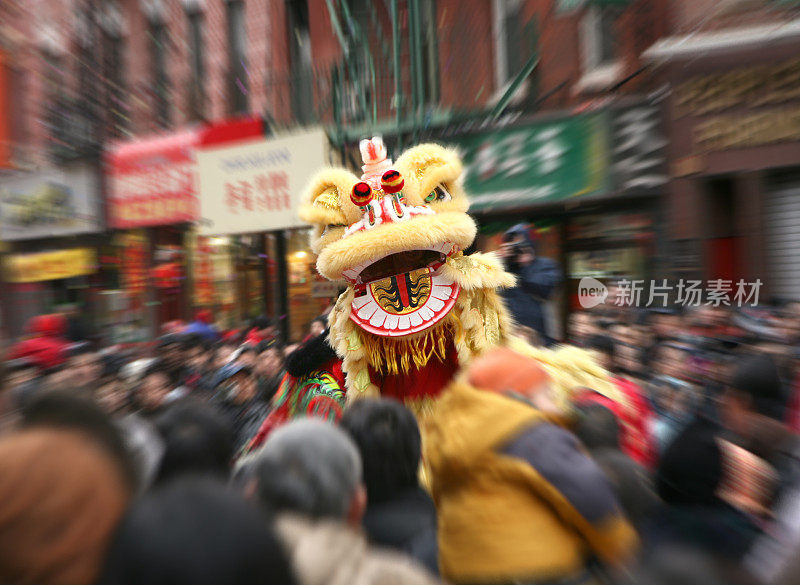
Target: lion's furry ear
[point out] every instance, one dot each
(327, 207)
(427, 166)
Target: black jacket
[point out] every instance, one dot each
(407, 523)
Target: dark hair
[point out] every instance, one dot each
(197, 439)
(157, 367)
(170, 339)
(601, 343)
(388, 439)
(597, 427)
(195, 532)
(262, 322)
(247, 349)
(757, 377)
(192, 340)
(82, 348)
(268, 344)
(321, 319)
(61, 410)
(690, 470)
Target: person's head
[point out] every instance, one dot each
(237, 384)
(170, 351)
(604, 350)
(193, 349)
(153, 388)
(691, 469)
(195, 532)
(580, 326)
(318, 326)
(307, 467)
(754, 390)
(388, 440)
(247, 356)
(597, 427)
(204, 316)
(264, 327)
(84, 367)
(112, 395)
(223, 354)
(63, 497)
(18, 372)
(66, 411)
(197, 440)
(508, 372)
(270, 361)
(519, 245)
(672, 360)
(667, 324)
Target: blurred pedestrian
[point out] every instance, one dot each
(518, 499)
(689, 477)
(308, 474)
(312, 387)
(195, 532)
(62, 498)
(198, 440)
(45, 345)
(236, 395)
(203, 325)
(537, 278)
(400, 514)
(270, 369)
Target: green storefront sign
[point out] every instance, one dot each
(538, 163)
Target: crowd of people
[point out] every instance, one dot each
(195, 461)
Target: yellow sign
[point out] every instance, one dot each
(50, 265)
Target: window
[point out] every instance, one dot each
(302, 86)
(197, 95)
(158, 72)
(430, 51)
(602, 66)
(516, 41)
(237, 58)
(114, 95)
(599, 37)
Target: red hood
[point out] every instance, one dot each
(47, 325)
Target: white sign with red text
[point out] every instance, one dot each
(256, 186)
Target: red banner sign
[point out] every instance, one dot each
(153, 181)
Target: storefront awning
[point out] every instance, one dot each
(152, 181)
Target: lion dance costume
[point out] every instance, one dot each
(416, 308)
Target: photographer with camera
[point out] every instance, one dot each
(537, 277)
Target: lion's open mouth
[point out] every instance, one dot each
(400, 263)
(403, 293)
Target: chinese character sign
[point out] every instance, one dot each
(256, 186)
(152, 182)
(547, 161)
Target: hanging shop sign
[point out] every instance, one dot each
(774, 88)
(255, 187)
(736, 111)
(153, 182)
(51, 203)
(134, 262)
(44, 266)
(539, 163)
(203, 276)
(638, 147)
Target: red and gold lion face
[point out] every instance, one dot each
(389, 234)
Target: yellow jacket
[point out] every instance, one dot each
(517, 498)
